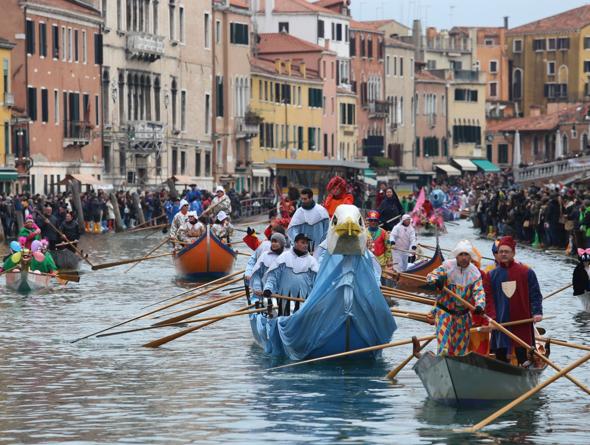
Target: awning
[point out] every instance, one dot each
(261, 172)
(8, 174)
(449, 169)
(466, 165)
(84, 179)
(184, 180)
(486, 165)
(369, 173)
(370, 181)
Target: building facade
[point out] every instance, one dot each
(157, 76)
(347, 127)
(6, 99)
(56, 125)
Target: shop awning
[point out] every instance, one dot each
(486, 166)
(370, 181)
(449, 169)
(84, 179)
(261, 172)
(369, 173)
(8, 174)
(466, 165)
(184, 180)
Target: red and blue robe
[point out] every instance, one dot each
(452, 319)
(525, 302)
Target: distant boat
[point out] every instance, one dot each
(421, 268)
(205, 259)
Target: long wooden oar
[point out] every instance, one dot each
(555, 292)
(80, 254)
(395, 371)
(448, 250)
(123, 262)
(185, 322)
(147, 255)
(355, 351)
(526, 395)
(555, 341)
(190, 297)
(192, 289)
(409, 252)
(204, 303)
(65, 276)
(143, 229)
(132, 229)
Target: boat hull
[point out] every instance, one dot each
(25, 282)
(473, 379)
(205, 259)
(421, 269)
(585, 301)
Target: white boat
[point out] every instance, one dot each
(473, 379)
(585, 300)
(26, 281)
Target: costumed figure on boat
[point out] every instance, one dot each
(311, 219)
(192, 229)
(223, 229)
(425, 217)
(377, 239)
(345, 309)
(338, 194)
(179, 220)
(259, 272)
(581, 278)
(403, 240)
(30, 232)
(452, 320)
(259, 247)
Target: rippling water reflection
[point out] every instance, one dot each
(212, 386)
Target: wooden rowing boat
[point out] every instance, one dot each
(473, 379)
(205, 259)
(585, 300)
(421, 268)
(26, 282)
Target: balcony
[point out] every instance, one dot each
(145, 136)
(575, 168)
(143, 46)
(467, 75)
(245, 128)
(378, 109)
(77, 134)
(8, 99)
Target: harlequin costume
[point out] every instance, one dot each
(378, 240)
(337, 194)
(517, 296)
(452, 319)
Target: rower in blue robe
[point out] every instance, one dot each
(264, 263)
(292, 275)
(311, 219)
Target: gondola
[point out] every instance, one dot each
(26, 282)
(421, 268)
(205, 259)
(473, 380)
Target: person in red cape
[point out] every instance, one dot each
(337, 194)
(517, 296)
(479, 341)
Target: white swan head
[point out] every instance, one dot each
(347, 234)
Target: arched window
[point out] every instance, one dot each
(517, 79)
(565, 144)
(584, 146)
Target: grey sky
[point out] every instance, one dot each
(447, 13)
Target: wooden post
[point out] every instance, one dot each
(138, 209)
(118, 222)
(77, 202)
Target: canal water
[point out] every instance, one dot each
(213, 386)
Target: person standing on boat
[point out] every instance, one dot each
(378, 244)
(47, 228)
(221, 202)
(311, 219)
(222, 228)
(259, 273)
(71, 230)
(403, 238)
(451, 318)
(337, 194)
(179, 219)
(517, 296)
(389, 209)
(293, 275)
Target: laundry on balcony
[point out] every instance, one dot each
(449, 169)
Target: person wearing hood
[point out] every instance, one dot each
(293, 275)
(390, 208)
(453, 320)
(337, 194)
(220, 203)
(311, 219)
(261, 248)
(402, 240)
(222, 227)
(179, 220)
(30, 231)
(192, 229)
(517, 296)
(260, 270)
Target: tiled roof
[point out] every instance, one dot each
(280, 43)
(544, 122)
(262, 65)
(381, 23)
(398, 44)
(566, 21)
(291, 6)
(364, 26)
(328, 3)
(428, 76)
(245, 4)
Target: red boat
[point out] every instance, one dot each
(205, 259)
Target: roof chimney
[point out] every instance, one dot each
(288, 66)
(505, 22)
(417, 39)
(303, 69)
(278, 66)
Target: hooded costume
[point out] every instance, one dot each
(452, 319)
(337, 195)
(517, 296)
(313, 221)
(404, 238)
(260, 270)
(179, 221)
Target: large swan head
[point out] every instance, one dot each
(347, 234)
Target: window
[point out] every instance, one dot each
(539, 44)
(32, 103)
(86, 108)
(174, 160)
(63, 43)
(517, 46)
(551, 44)
(217, 32)
(333, 31)
(586, 66)
(219, 96)
(181, 23)
(493, 89)
(172, 25)
(55, 41)
(84, 48)
(207, 125)
(563, 43)
(182, 162)
(96, 108)
(198, 163)
(464, 95)
(183, 110)
(284, 27)
(315, 98)
(493, 66)
(320, 29)
(76, 46)
(352, 45)
(555, 90)
(219, 153)
(206, 30)
(551, 68)
(339, 32)
(311, 139)
(43, 39)
(387, 67)
(207, 164)
(239, 33)
(489, 42)
(468, 134)
(517, 84)
(417, 147)
(586, 42)
(98, 49)
(70, 44)
(401, 67)
(369, 47)
(30, 37)
(44, 106)
(56, 107)
(502, 153)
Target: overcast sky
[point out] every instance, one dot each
(447, 13)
